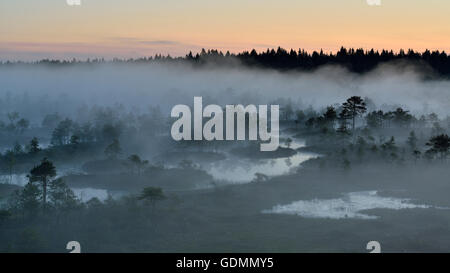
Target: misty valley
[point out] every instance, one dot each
(87, 154)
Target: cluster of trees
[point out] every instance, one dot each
(43, 191)
(69, 132)
(95, 129)
(356, 139)
(103, 124)
(356, 60)
(46, 193)
(15, 123)
(137, 163)
(91, 124)
(348, 112)
(366, 150)
(89, 133)
(345, 115)
(31, 148)
(439, 145)
(402, 119)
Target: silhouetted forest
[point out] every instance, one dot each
(355, 60)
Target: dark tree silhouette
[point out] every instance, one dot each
(137, 162)
(354, 107)
(151, 194)
(28, 198)
(43, 173)
(375, 119)
(34, 146)
(344, 116)
(402, 117)
(61, 196)
(330, 116)
(439, 145)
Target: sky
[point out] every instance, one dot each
(32, 30)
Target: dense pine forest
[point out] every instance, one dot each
(355, 60)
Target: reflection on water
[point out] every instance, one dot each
(349, 206)
(233, 169)
(239, 170)
(244, 170)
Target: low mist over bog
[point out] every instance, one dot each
(359, 155)
(36, 89)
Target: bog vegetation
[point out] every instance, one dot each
(167, 201)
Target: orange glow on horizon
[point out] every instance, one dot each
(138, 28)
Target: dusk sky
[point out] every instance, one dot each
(37, 29)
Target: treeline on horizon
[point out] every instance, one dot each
(355, 60)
